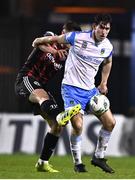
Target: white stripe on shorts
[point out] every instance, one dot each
(27, 84)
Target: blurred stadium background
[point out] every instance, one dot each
(23, 20)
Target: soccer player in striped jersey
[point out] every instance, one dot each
(88, 50)
(43, 64)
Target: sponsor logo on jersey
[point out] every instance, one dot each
(90, 59)
(57, 66)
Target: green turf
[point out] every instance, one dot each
(21, 166)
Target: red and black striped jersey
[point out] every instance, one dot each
(41, 66)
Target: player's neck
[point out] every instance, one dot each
(97, 42)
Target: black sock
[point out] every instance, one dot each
(50, 107)
(50, 142)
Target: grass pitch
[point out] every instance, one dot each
(21, 166)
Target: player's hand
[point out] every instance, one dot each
(35, 42)
(103, 88)
(62, 54)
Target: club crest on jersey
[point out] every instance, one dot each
(84, 44)
(72, 102)
(102, 51)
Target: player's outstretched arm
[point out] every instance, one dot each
(47, 49)
(48, 40)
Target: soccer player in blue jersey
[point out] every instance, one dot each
(88, 50)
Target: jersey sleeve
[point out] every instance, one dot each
(70, 37)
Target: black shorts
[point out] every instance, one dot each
(25, 86)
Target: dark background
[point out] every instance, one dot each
(23, 20)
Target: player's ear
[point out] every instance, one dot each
(93, 25)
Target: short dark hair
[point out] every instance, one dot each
(105, 18)
(71, 26)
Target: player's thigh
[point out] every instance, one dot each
(38, 95)
(21, 90)
(108, 120)
(35, 89)
(30, 88)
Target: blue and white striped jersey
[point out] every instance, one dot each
(84, 59)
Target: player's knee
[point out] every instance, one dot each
(50, 108)
(77, 128)
(77, 124)
(113, 124)
(56, 129)
(110, 125)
